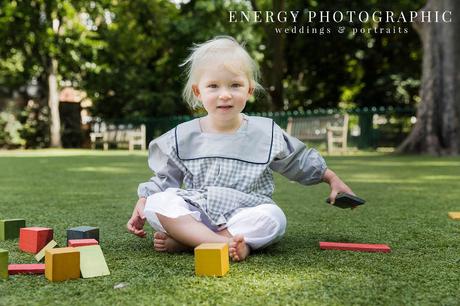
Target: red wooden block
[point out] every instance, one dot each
(359, 247)
(26, 269)
(81, 242)
(33, 239)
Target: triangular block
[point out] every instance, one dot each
(92, 261)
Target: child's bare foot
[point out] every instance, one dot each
(163, 243)
(238, 249)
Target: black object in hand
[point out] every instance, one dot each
(346, 200)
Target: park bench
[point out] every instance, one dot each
(332, 128)
(122, 135)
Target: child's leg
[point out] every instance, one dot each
(261, 225)
(189, 231)
(173, 219)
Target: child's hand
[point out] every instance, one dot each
(136, 223)
(336, 184)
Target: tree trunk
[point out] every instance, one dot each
(53, 103)
(278, 42)
(273, 74)
(437, 130)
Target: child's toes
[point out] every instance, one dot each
(160, 235)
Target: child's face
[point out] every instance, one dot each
(222, 92)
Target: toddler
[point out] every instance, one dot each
(214, 175)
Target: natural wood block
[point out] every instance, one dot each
(211, 259)
(81, 242)
(359, 247)
(3, 264)
(454, 215)
(33, 239)
(83, 232)
(92, 261)
(9, 229)
(62, 264)
(40, 255)
(26, 269)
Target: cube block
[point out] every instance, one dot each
(9, 229)
(33, 239)
(81, 242)
(40, 255)
(3, 264)
(26, 269)
(62, 264)
(83, 232)
(211, 259)
(359, 247)
(454, 215)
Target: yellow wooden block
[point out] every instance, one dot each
(454, 215)
(62, 264)
(211, 259)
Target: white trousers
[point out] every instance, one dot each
(260, 226)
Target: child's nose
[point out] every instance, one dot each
(225, 95)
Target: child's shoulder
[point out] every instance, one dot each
(190, 125)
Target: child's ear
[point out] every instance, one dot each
(251, 91)
(196, 91)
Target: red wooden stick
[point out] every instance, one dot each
(26, 269)
(81, 242)
(359, 247)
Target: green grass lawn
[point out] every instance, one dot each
(408, 201)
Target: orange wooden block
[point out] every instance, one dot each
(33, 239)
(26, 269)
(81, 242)
(62, 264)
(211, 259)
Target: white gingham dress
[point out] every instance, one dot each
(222, 173)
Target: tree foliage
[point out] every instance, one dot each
(126, 54)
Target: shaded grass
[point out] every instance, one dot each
(408, 200)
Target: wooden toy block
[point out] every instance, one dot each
(81, 242)
(33, 239)
(454, 215)
(9, 229)
(3, 264)
(92, 261)
(26, 269)
(83, 232)
(211, 259)
(62, 264)
(40, 255)
(359, 247)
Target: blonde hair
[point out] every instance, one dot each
(227, 50)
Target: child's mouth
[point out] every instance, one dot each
(225, 107)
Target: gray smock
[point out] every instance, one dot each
(222, 173)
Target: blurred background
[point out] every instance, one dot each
(70, 68)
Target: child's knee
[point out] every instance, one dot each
(274, 217)
(157, 204)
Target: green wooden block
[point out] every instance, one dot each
(3, 264)
(40, 255)
(92, 261)
(9, 229)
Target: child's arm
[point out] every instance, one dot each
(336, 184)
(167, 175)
(305, 166)
(136, 222)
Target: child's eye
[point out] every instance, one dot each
(236, 85)
(212, 86)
